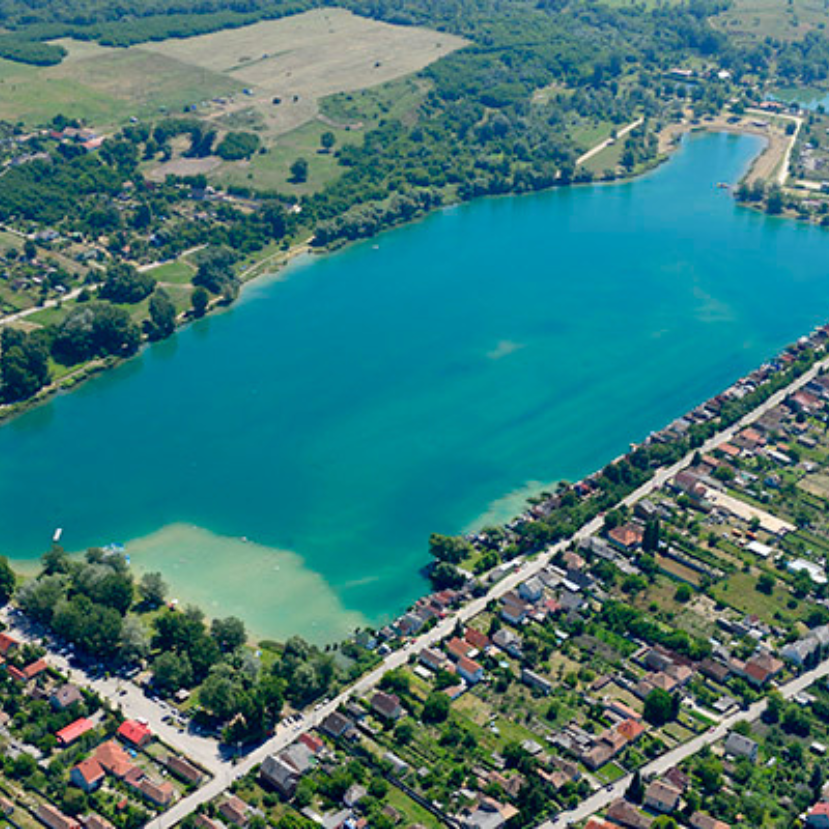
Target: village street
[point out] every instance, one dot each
(205, 750)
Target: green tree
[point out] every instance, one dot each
(229, 634)
(7, 580)
(199, 301)
(636, 790)
(436, 708)
(659, 707)
(327, 140)
(299, 171)
(153, 589)
(650, 540)
(765, 584)
(171, 672)
(162, 315)
(124, 283)
(449, 548)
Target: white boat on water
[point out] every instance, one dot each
(57, 535)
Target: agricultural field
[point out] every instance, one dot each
(759, 19)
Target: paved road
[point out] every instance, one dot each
(602, 799)
(132, 701)
(284, 736)
(206, 751)
(607, 142)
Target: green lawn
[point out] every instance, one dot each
(179, 272)
(272, 170)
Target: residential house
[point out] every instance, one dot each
(354, 795)
(513, 609)
(432, 659)
(479, 641)
(458, 648)
(235, 810)
(54, 819)
(470, 670)
(631, 730)
(184, 771)
(134, 733)
(531, 590)
(626, 538)
(625, 711)
(662, 797)
(598, 823)
(536, 681)
(699, 820)
(30, 672)
(280, 774)
(717, 671)
(74, 731)
(8, 645)
(762, 668)
(93, 821)
(818, 817)
(739, 746)
(161, 794)
(627, 815)
(508, 642)
(88, 775)
(204, 822)
(336, 725)
(114, 759)
(387, 706)
(65, 697)
(489, 814)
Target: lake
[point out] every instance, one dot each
(287, 460)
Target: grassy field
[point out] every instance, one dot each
(303, 58)
(759, 19)
(271, 170)
(298, 59)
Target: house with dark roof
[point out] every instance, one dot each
(739, 746)
(662, 797)
(336, 725)
(65, 697)
(387, 706)
(626, 814)
(281, 775)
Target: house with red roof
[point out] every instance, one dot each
(87, 775)
(479, 641)
(627, 537)
(7, 644)
(311, 742)
(114, 759)
(457, 648)
(818, 817)
(134, 733)
(74, 731)
(470, 670)
(54, 819)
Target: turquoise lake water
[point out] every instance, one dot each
(409, 385)
(807, 98)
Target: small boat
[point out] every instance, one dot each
(57, 534)
(723, 186)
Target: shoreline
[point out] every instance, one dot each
(273, 263)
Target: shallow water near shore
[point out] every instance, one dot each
(411, 384)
